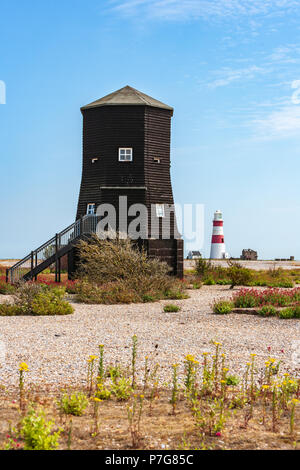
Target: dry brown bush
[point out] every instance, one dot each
(116, 271)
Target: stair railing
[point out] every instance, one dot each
(84, 225)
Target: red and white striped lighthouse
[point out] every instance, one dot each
(217, 242)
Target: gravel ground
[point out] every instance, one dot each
(190, 264)
(56, 348)
(256, 265)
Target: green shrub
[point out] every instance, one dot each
(171, 308)
(197, 285)
(9, 310)
(50, 302)
(38, 433)
(25, 295)
(285, 283)
(275, 272)
(6, 288)
(209, 281)
(148, 298)
(222, 307)
(102, 392)
(232, 380)
(259, 283)
(267, 311)
(203, 267)
(297, 311)
(223, 282)
(74, 404)
(239, 276)
(175, 294)
(34, 299)
(286, 313)
(122, 388)
(115, 372)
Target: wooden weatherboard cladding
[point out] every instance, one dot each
(129, 119)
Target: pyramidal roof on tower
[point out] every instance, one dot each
(127, 96)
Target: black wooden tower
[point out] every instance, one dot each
(126, 155)
(126, 152)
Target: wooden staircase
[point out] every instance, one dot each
(52, 251)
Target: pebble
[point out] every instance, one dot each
(56, 348)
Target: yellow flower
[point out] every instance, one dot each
(265, 387)
(92, 358)
(205, 353)
(190, 358)
(225, 369)
(253, 355)
(223, 382)
(142, 396)
(23, 367)
(96, 399)
(294, 401)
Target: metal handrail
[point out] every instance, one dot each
(75, 230)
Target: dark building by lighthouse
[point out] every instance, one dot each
(126, 152)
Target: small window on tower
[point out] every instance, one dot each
(160, 210)
(125, 154)
(91, 208)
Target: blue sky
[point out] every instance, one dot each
(230, 68)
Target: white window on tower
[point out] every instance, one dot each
(160, 210)
(91, 208)
(125, 154)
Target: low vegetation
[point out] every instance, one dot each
(171, 308)
(73, 404)
(202, 406)
(116, 271)
(280, 303)
(36, 299)
(248, 298)
(236, 275)
(222, 307)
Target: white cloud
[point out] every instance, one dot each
(193, 9)
(281, 62)
(228, 75)
(282, 123)
(289, 54)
